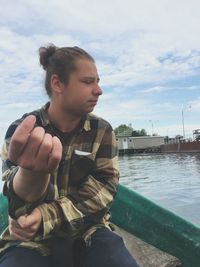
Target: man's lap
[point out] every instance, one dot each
(21, 257)
(106, 249)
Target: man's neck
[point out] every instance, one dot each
(62, 121)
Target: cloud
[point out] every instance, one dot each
(143, 50)
(19, 64)
(128, 47)
(195, 105)
(174, 129)
(155, 89)
(100, 17)
(194, 87)
(161, 89)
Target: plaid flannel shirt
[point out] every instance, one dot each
(80, 191)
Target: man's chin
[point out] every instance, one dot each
(89, 110)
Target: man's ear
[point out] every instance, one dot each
(56, 85)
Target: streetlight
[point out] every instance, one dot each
(183, 123)
(152, 129)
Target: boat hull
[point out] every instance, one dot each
(153, 224)
(191, 147)
(157, 226)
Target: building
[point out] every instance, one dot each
(139, 144)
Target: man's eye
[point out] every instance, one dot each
(87, 82)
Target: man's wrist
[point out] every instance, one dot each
(30, 185)
(29, 174)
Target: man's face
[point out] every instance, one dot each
(81, 93)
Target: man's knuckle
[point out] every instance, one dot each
(26, 164)
(33, 229)
(22, 225)
(48, 136)
(47, 146)
(16, 141)
(56, 155)
(34, 137)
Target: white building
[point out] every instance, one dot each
(139, 143)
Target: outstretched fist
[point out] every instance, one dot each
(33, 149)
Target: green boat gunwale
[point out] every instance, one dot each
(148, 221)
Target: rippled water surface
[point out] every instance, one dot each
(171, 180)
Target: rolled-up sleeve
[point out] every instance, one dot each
(16, 205)
(9, 170)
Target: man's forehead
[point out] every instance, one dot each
(87, 70)
(85, 64)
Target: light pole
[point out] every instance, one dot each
(152, 128)
(183, 122)
(183, 125)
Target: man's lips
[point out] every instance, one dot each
(93, 101)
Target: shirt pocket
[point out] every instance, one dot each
(81, 166)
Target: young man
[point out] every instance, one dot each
(60, 172)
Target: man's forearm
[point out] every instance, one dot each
(29, 185)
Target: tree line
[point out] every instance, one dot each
(127, 130)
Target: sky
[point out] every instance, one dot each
(147, 53)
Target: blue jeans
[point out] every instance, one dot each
(106, 250)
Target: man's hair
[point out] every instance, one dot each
(60, 61)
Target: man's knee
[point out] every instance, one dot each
(108, 248)
(23, 257)
(107, 238)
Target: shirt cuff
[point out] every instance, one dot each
(17, 206)
(51, 218)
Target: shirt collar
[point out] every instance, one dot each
(44, 114)
(86, 125)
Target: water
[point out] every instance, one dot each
(171, 180)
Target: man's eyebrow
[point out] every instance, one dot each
(92, 78)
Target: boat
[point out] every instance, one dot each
(169, 239)
(181, 147)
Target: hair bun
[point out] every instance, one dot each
(45, 53)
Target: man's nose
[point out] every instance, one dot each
(97, 90)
